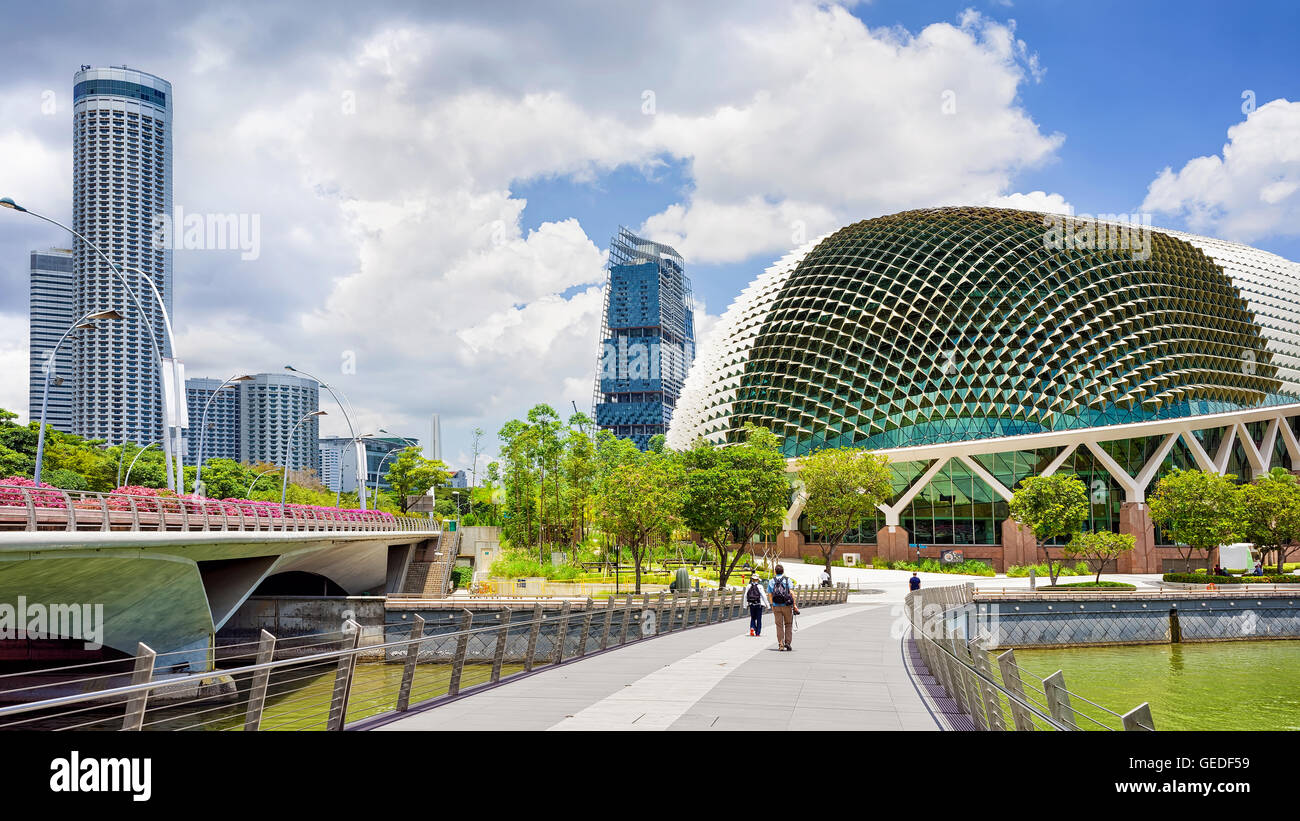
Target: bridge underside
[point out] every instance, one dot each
(173, 593)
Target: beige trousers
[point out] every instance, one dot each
(784, 618)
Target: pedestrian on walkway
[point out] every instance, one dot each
(914, 582)
(784, 607)
(825, 578)
(756, 598)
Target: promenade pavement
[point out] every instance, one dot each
(850, 670)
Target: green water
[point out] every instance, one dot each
(1239, 685)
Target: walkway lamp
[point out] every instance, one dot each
(86, 324)
(6, 202)
(361, 479)
(230, 383)
(138, 454)
(288, 452)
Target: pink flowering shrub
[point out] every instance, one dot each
(11, 495)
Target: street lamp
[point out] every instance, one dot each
(352, 444)
(288, 451)
(133, 461)
(203, 425)
(6, 202)
(361, 479)
(82, 324)
(255, 480)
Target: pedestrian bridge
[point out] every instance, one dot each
(171, 571)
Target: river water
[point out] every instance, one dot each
(1237, 685)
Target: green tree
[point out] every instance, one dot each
(843, 486)
(1270, 514)
(410, 474)
(579, 472)
(1197, 510)
(732, 493)
(1098, 547)
(638, 497)
(1053, 507)
(226, 478)
(519, 486)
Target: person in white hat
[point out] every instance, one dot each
(756, 598)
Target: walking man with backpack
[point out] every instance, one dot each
(784, 607)
(756, 598)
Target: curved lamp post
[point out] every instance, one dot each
(352, 444)
(138, 453)
(81, 324)
(253, 483)
(203, 425)
(361, 477)
(288, 451)
(6, 202)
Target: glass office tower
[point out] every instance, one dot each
(122, 178)
(51, 312)
(647, 338)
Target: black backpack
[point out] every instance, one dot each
(752, 595)
(781, 591)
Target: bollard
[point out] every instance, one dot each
(532, 637)
(142, 674)
(462, 645)
(1058, 699)
(499, 652)
(1020, 715)
(338, 712)
(257, 687)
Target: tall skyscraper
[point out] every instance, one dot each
(270, 405)
(647, 338)
(52, 310)
(122, 179)
(222, 438)
(433, 450)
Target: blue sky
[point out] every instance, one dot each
(1133, 87)
(437, 183)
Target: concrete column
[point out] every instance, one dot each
(891, 544)
(1018, 545)
(1135, 519)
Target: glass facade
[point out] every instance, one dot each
(647, 340)
(953, 324)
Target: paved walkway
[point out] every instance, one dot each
(847, 672)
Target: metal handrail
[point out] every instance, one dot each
(971, 684)
(32, 509)
(671, 615)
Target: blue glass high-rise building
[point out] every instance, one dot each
(647, 338)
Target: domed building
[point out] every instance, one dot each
(978, 346)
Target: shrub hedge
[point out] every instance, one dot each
(1201, 578)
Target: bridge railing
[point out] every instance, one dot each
(324, 681)
(30, 509)
(955, 650)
